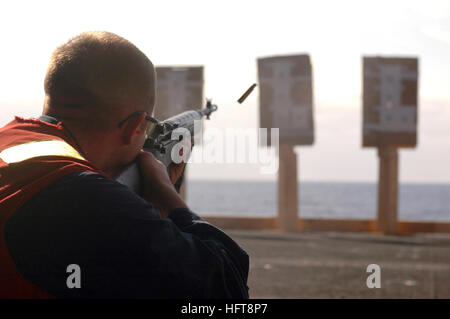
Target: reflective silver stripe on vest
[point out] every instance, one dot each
(29, 150)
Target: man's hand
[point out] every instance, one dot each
(157, 186)
(175, 171)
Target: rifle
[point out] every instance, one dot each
(163, 140)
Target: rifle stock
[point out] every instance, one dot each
(162, 142)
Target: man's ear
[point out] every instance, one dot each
(133, 129)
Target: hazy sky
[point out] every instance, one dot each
(227, 37)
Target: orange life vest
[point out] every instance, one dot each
(33, 154)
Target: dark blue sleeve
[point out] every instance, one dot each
(122, 246)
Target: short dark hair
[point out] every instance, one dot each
(98, 68)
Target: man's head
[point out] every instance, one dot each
(93, 82)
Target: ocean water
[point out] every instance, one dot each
(422, 202)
